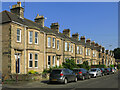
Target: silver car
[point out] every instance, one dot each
(94, 72)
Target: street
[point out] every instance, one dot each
(109, 81)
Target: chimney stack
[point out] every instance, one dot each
(40, 20)
(103, 50)
(88, 41)
(82, 39)
(66, 32)
(18, 10)
(55, 27)
(75, 36)
(93, 43)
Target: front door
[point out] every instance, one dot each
(57, 62)
(17, 63)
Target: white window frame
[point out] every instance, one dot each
(49, 42)
(53, 60)
(78, 61)
(86, 51)
(93, 53)
(77, 49)
(72, 48)
(49, 61)
(30, 37)
(19, 35)
(81, 50)
(89, 52)
(58, 45)
(65, 46)
(53, 43)
(36, 37)
(30, 60)
(36, 60)
(69, 47)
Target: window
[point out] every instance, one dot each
(77, 49)
(49, 60)
(89, 52)
(72, 48)
(53, 62)
(30, 59)
(78, 61)
(65, 46)
(86, 51)
(81, 50)
(93, 53)
(18, 35)
(57, 44)
(36, 37)
(36, 60)
(69, 47)
(81, 61)
(49, 42)
(30, 37)
(53, 43)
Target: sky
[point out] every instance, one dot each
(95, 20)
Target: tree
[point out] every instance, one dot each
(69, 63)
(117, 53)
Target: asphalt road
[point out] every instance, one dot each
(109, 81)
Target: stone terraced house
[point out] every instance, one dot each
(29, 45)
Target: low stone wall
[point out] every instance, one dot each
(26, 77)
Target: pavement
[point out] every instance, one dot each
(108, 81)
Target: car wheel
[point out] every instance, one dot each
(83, 78)
(75, 79)
(103, 74)
(65, 81)
(89, 77)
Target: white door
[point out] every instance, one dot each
(57, 62)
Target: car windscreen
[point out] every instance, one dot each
(76, 70)
(93, 70)
(56, 71)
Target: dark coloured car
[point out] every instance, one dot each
(104, 72)
(62, 76)
(108, 70)
(82, 73)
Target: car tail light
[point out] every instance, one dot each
(61, 74)
(101, 71)
(107, 70)
(80, 72)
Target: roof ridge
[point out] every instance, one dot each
(8, 15)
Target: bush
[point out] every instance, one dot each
(33, 72)
(111, 65)
(98, 66)
(118, 66)
(70, 64)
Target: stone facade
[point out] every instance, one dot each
(38, 49)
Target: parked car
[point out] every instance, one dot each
(112, 70)
(104, 72)
(62, 76)
(82, 73)
(94, 72)
(108, 71)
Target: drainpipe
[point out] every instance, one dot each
(24, 50)
(44, 51)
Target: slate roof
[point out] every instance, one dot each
(9, 17)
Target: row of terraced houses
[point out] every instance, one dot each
(29, 45)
